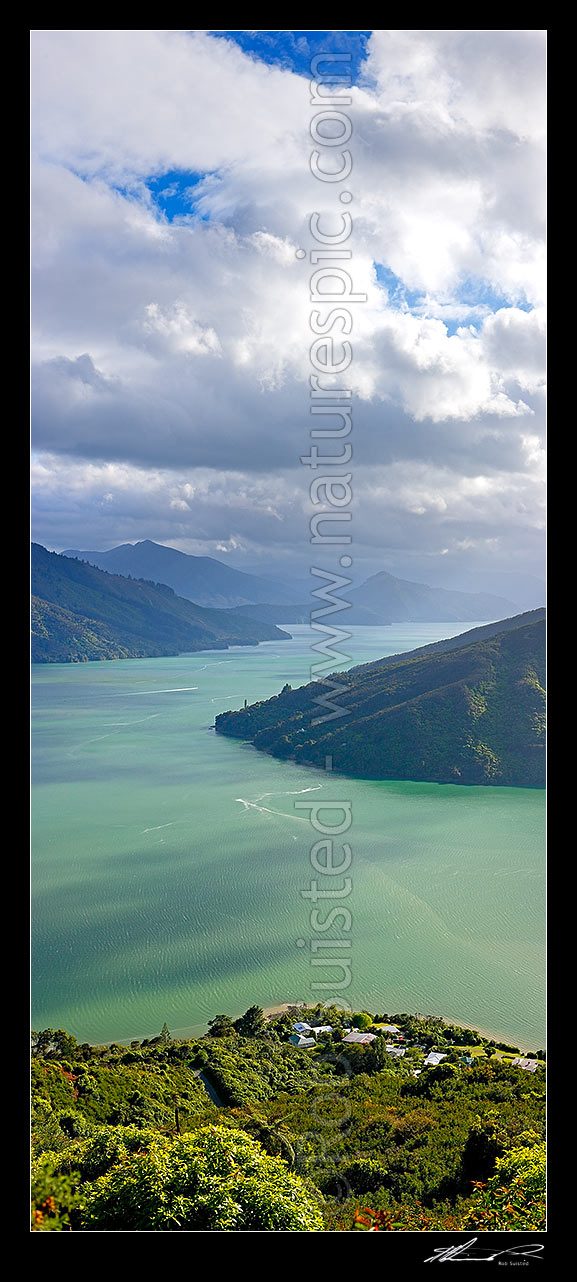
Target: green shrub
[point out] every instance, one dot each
(211, 1180)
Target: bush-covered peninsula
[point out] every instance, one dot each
(459, 711)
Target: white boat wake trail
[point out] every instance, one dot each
(133, 723)
(175, 690)
(267, 810)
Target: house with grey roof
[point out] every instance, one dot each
(530, 1065)
(296, 1039)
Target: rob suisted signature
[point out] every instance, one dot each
(469, 1251)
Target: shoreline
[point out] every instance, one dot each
(269, 1011)
(197, 1031)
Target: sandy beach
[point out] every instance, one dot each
(269, 1011)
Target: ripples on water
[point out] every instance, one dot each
(169, 862)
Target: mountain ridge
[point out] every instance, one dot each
(202, 579)
(394, 600)
(81, 613)
(380, 600)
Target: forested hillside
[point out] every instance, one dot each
(240, 1130)
(81, 613)
(470, 714)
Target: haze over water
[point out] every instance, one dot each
(168, 862)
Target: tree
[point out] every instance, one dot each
(284, 1023)
(251, 1023)
(272, 1133)
(49, 1044)
(211, 1180)
(362, 1020)
(514, 1196)
(485, 1143)
(165, 1036)
(380, 1057)
(365, 1175)
(53, 1197)
(435, 1081)
(86, 1084)
(221, 1026)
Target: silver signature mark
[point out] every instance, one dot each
(468, 1251)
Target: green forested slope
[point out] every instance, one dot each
(128, 1138)
(81, 613)
(472, 715)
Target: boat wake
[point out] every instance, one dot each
(268, 810)
(174, 690)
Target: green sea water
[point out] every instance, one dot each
(169, 862)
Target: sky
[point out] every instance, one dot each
(171, 190)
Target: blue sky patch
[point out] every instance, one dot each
(173, 192)
(475, 294)
(293, 50)
(475, 290)
(399, 296)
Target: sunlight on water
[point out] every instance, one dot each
(169, 862)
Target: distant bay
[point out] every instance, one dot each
(168, 863)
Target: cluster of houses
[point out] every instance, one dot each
(299, 1037)
(305, 1035)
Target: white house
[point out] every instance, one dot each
(434, 1058)
(530, 1065)
(360, 1039)
(397, 1052)
(299, 1027)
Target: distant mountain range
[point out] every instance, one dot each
(382, 599)
(528, 590)
(201, 579)
(467, 710)
(80, 613)
(393, 600)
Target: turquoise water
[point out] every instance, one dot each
(168, 862)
